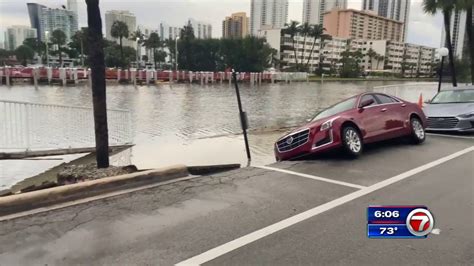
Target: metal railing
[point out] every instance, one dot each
(33, 126)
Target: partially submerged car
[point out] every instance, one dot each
(451, 110)
(365, 118)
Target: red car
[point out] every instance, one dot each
(362, 119)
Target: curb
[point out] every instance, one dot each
(211, 169)
(41, 198)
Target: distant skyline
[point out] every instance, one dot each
(422, 29)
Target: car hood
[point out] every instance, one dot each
(447, 109)
(309, 125)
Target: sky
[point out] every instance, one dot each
(422, 29)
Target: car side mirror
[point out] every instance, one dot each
(366, 103)
(428, 101)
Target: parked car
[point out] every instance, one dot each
(362, 119)
(451, 110)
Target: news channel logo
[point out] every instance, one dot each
(399, 221)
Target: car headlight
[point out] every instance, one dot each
(326, 125)
(468, 115)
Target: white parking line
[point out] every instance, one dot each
(449, 136)
(254, 236)
(312, 177)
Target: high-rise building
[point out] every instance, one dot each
(313, 10)
(235, 26)
(45, 19)
(356, 24)
(15, 35)
(126, 17)
(168, 32)
(393, 9)
(268, 13)
(72, 6)
(458, 33)
(202, 30)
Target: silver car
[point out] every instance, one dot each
(451, 110)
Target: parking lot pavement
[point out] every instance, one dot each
(174, 222)
(379, 161)
(164, 225)
(339, 236)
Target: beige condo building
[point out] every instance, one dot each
(355, 24)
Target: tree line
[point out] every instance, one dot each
(350, 60)
(249, 54)
(245, 54)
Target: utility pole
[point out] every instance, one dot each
(242, 114)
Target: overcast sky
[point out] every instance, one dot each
(422, 29)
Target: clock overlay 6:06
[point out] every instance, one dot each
(399, 221)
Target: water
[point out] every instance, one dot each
(192, 124)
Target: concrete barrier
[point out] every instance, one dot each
(41, 198)
(211, 169)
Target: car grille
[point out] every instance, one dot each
(442, 122)
(298, 139)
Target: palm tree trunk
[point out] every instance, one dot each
(60, 56)
(121, 50)
(320, 65)
(97, 63)
(294, 50)
(304, 48)
(154, 57)
(470, 38)
(447, 20)
(311, 52)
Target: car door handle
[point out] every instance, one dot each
(404, 105)
(383, 110)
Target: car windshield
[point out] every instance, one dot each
(454, 96)
(337, 108)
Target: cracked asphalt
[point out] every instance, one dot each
(167, 224)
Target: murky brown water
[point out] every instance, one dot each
(191, 124)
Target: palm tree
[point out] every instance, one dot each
(187, 32)
(97, 63)
(372, 55)
(468, 6)
(380, 58)
(446, 7)
(38, 46)
(292, 30)
(153, 42)
(81, 36)
(119, 30)
(305, 30)
(139, 37)
(58, 37)
(322, 40)
(316, 32)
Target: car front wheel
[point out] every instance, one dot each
(352, 141)
(417, 131)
